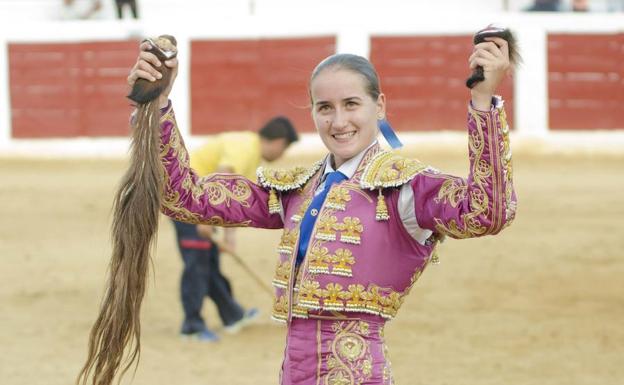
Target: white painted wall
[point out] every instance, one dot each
(273, 18)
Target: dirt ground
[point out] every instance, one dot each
(542, 303)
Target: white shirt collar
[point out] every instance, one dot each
(349, 167)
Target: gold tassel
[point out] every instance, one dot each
(274, 204)
(434, 256)
(381, 212)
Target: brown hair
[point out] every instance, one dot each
(354, 63)
(136, 210)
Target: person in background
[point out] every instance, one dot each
(232, 152)
(580, 6)
(545, 6)
(120, 4)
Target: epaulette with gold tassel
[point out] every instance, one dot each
(282, 180)
(381, 211)
(388, 169)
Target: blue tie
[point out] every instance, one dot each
(308, 219)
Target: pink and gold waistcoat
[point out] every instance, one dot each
(357, 259)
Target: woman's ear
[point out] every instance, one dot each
(381, 106)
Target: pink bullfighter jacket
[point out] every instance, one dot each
(376, 231)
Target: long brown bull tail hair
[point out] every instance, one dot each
(136, 209)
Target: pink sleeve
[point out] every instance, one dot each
(217, 199)
(484, 203)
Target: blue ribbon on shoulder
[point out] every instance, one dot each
(389, 134)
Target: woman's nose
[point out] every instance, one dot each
(340, 120)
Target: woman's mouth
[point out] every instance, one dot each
(344, 135)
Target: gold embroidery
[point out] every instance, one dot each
(391, 303)
(373, 305)
(174, 206)
(330, 295)
(510, 204)
(481, 170)
(275, 206)
(452, 191)
(196, 189)
(309, 293)
(350, 361)
(218, 192)
(375, 300)
(282, 274)
(286, 179)
(216, 220)
(355, 188)
(350, 228)
(389, 169)
(288, 241)
(356, 296)
(387, 370)
(301, 212)
(280, 308)
(319, 260)
(327, 227)
(337, 198)
(299, 312)
(381, 211)
(342, 259)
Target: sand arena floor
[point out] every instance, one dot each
(540, 304)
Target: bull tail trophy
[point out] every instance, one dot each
(117, 331)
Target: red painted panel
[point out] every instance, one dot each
(70, 89)
(424, 78)
(240, 84)
(586, 81)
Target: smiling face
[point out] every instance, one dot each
(344, 112)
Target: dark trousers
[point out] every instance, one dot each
(202, 277)
(133, 7)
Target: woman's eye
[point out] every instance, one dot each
(351, 104)
(323, 108)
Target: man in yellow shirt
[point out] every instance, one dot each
(232, 152)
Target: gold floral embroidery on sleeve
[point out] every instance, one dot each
(219, 192)
(510, 204)
(216, 188)
(452, 191)
(470, 225)
(216, 220)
